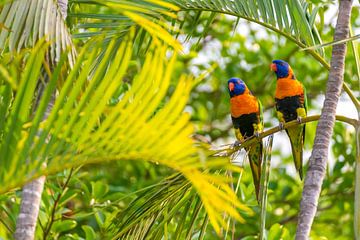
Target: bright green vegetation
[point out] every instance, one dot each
(120, 161)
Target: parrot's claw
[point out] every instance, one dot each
(257, 135)
(237, 143)
(281, 126)
(299, 120)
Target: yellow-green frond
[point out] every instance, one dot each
(84, 128)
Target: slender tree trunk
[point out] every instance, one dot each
(31, 193)
(324, 130)
(29, 209)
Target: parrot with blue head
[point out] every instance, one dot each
(246, 115)
(290, 102)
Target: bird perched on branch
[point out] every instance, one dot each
(246, 115)
(290, 99)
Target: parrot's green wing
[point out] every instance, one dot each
(306, 107)
(297, 135)
(305, 98)
(255, 152)
(261, 113)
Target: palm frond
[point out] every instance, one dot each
(84, 128)
(290, 18)
(170, 208)
(149, 213)
(115, 18)
(26, 22)
(173, 191)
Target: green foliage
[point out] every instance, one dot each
(124, 100)
(82, 128)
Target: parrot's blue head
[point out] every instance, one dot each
(281, 68)
(236, 87)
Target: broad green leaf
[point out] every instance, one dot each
(99, 189)
(62, 226)
(89, 232)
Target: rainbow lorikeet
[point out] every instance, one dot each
(246, 115)
(290, 99)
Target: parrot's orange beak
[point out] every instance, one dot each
(231, 86)
(273, 67)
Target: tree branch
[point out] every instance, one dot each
(276, 129)
(48, 226)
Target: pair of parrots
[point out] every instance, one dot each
(246, 114)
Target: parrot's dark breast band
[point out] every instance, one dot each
(245, 124)
(287, 106)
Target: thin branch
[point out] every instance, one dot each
(345, 86)
(56, 203)
(352, 38)
(352, 96)
(276, 129)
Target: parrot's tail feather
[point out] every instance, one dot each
(296, 139)
(298, 159)
(255, 159)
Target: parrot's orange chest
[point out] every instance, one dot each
(243, 104)
(286, 87)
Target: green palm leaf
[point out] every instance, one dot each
(115, 18)
(274, 15)
(171, 208)
(83, 128)
(151, 215)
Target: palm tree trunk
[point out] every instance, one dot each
(324, 130)
(31, 193)
(29, 209)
